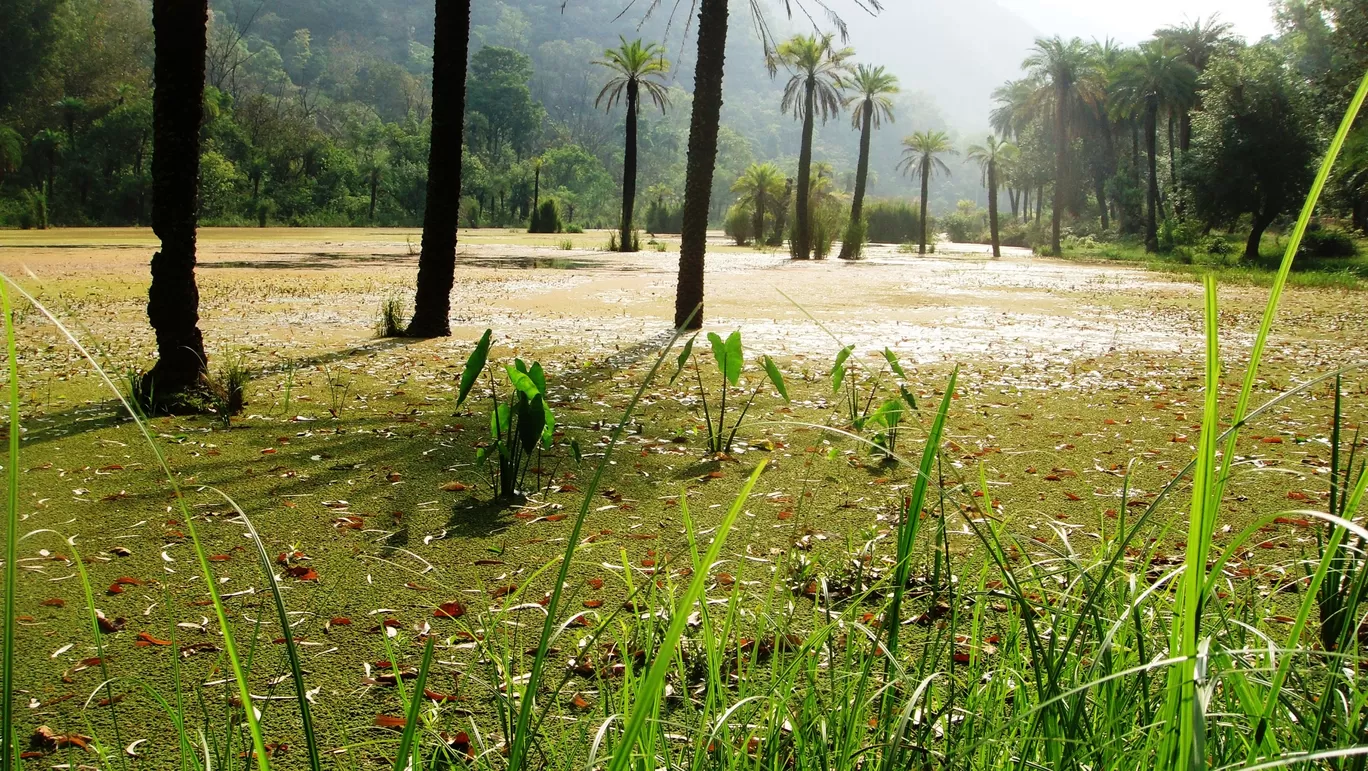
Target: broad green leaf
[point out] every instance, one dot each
(575, 452)
(838, 370)
(894, 364)
(910, 398)
(776, 377)
(538, 376)
(520, 365)
(889, 414)
(474, 366)
(548, 422)
(683, 358)
(734, 357)
(498, 421)
(522, 382)
(531, 421)
(727, 355)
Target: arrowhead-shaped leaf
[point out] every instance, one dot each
(474, 366)
(776, 377)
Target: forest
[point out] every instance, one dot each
(317, 117)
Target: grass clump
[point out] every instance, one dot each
(392, 319)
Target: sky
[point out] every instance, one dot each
(1130, 22)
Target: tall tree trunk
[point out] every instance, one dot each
(802, 237)
(698, 176)
(1012, 201)
(758, 223)
(536, 187)
(1026, 204)
(849, 249)
(1100, 190)
(1173, 165)
(925, 192)
(374, 191)
(993, 209)
(180, 40)
(629, 167)
(1261, 223)
(1152, 197)
(1039, 202)
(437, 261)
(1061, 169)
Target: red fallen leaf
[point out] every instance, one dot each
(1110, 513)
(1072, 497)
(503, 591)
(455, 487)
(783, 515)
(449, 610)
(219, 558)
(648, 563)
(435, 696)
(1282, 619)
(115, 699)
(1293, 495)
(593, 604)
(725, 579)
(129, 581)
(579, 702)
(145, 638)
(54, 602)
(268, 451)
(715, 475)
(349, 523)
(1293, 522)
(1052, 478)
(107, 626)
(578, 620)
(339, 621)
(1272, 440)
(302, 572)
(30, 754)
(595, 583)
(568, 488)
(416, 587)
(1268, 545)
(115, 589)
(553, 517)
(390, 721)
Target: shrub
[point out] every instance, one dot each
(662, 218)
(572, 229)
(828, 220)
(891, 222)
(853, 242)
(739, 223)
(546, 218)
(1327, 243)
(728, 356)
(965, 225)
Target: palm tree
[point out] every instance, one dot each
(1063, 72)
(698, 175)
(869, 107)
(180, 41)
(816, 71)
(72, 109)
(634, 67)
(1198, 41)
(1154, 78)
(437, 261)
(920, 160)
(760, 185)
(991, 156)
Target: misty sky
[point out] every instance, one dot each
(1130, 21)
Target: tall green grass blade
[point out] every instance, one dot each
(415, 705)
(291, 649)
(9, 757)
(647, 693)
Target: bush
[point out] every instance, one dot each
(1327, 243)
(572, 229)
(828, 220)
(853, 242)
(661, 218)
(891, 222)
(966, 225)
(738, 224)
(546, 218)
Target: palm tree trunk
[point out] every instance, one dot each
(698, 176)
(1173, 162)
(1039, 202)
(1100, 190)
(993, 209)
(759, 220)
(925, 192)
(1026, 204)
(1152, 202)
(181, 40)
(629, 167)
(802, 240)
(850, 250)
(437, 261)
(1061, 167)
